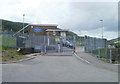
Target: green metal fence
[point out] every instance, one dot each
(8, 41)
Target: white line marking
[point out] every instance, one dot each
(81, 58)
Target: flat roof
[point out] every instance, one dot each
(43, 24)
(56, 30)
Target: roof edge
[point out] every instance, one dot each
(43, 24)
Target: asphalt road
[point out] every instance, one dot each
(56, 69)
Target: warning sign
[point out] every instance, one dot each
(57, 39)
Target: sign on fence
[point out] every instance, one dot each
(57, 39)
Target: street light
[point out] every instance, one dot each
(23, 22)
(102, 44)
(102, 27)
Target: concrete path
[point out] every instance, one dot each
(94, 60)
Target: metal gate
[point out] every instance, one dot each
(59, 46)
(47, 44)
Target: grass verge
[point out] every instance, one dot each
(11, 54)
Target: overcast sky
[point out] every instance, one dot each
(80, 16)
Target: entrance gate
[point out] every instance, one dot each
(60, 46)
(49, 45)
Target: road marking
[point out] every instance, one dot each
(81, 58)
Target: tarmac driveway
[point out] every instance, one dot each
(56, 69)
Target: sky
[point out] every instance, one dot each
(80, 16)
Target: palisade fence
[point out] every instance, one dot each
(38, 43)
(7, 39)
(99, 48)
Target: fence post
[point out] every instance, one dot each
(44, 44)
(110, 55)
(106, 48)
(74, 38)
(48, 41)
(99, 52)
(59, 47)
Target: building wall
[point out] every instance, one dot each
(50, 33)
(43, 28)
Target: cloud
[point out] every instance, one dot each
(67, 14)
(89, 14)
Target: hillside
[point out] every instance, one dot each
(78, 38)
(115, 42)
(10, 25)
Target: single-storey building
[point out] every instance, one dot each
(40, 29)
(46, 30)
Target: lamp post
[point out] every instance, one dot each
(23, 22)
(102, 27)
(102, 41)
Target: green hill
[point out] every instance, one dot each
(115, 42)
(10, 25)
